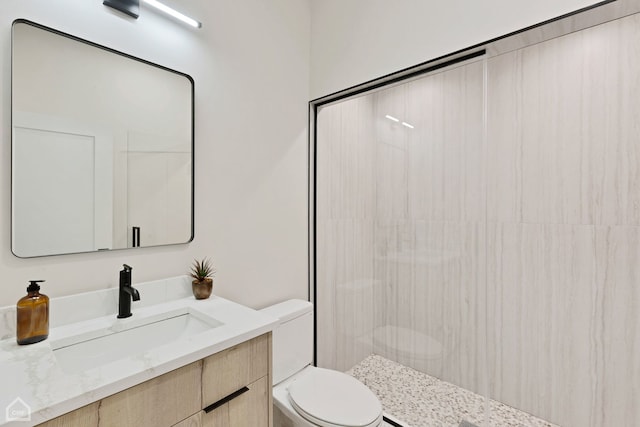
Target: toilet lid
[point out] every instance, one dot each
(330, 398)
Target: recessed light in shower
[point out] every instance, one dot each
(410, 126)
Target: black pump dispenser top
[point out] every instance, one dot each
(34, 285)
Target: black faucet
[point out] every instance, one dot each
(127, 293)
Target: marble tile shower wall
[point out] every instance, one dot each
(401, 229)
(513, 259)
(563, 210)
(430, 253)
(344, 231)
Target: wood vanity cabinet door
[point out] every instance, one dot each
(162, 401)
(228, 371)
(250, 409)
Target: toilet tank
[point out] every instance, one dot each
(293, 339)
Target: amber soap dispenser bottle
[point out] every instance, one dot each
(33, 315)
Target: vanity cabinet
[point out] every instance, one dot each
(229, 388)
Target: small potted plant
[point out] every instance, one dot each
(202, 273)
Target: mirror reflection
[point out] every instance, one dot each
(102, 147)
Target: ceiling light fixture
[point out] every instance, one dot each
(132, 8)
(392, 118)
(407, 125)
(172, 12)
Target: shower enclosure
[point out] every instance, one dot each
(476, 250)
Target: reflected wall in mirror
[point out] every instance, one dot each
(102, 147)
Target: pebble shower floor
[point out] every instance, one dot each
(420, 400)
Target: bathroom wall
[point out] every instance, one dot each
(251, 133)
(360, 40)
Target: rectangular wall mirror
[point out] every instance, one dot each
(102, 147)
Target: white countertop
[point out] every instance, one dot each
(32, 373)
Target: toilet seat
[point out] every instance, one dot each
(330, 398)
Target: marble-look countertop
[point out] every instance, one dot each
(32, 373)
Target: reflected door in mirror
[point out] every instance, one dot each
(101, 142)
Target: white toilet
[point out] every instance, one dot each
(305, 395)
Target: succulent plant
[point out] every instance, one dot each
(200, 270)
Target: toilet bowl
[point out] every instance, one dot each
(304, 395)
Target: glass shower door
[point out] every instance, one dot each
(400, 223)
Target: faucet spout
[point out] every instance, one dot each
(127, 293)
(133, 292)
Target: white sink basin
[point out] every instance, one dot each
(131, 337)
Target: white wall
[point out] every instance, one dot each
(359, 40)
(250, 63)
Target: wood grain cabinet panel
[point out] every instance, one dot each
(193, 421)
(250, 409)
(164, 400)
(228, 371)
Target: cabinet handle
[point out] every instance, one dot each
(225, 399)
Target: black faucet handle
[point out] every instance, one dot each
(127, 268)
